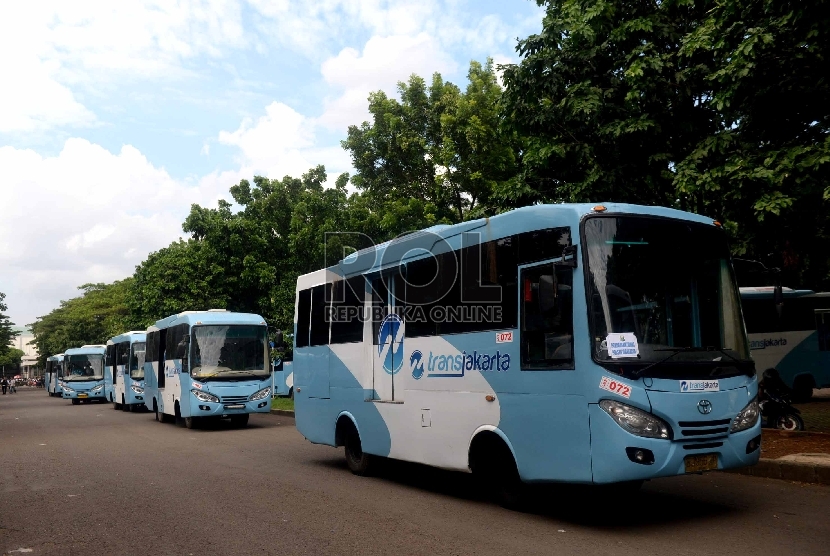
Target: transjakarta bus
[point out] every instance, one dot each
(796, 342)
(53, 374)
(565, 343)
(124, 370)
(83, 375)
(203, 364)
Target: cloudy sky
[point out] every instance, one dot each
(116, 116)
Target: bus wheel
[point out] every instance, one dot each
(240, 421)
(191, 422)
(493, 463)
(116, 405)
(359, 462)
(124, 405)
(291, 393)
(802, 389)
(76, 401)
(159, 415)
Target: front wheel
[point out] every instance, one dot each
(76, 401)
(240, 421)
(789, 422)
(191, 422)
(124, 405)
(359, 462)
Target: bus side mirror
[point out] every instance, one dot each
(279, 343)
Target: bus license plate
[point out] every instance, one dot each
(702, 462)
(82, 395)
(235, 406)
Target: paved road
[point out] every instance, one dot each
(90, 480)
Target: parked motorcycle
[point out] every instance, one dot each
(775, 401)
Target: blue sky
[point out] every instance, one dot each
(116, 116)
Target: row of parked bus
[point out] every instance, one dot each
(193, 365)
(552, 343)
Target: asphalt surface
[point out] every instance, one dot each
(91, 480)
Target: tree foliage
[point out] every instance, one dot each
(7, 333)
(12, 358)
(100, 313)
(715, 107)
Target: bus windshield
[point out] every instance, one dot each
(229, 352)
(137, 352)
(662, 290)
(84, 367)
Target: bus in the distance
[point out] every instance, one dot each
(207, 364)
(53, 374)
(83, 374)
(124, 370)
(552, 343)
(794, 341)
(283, 378)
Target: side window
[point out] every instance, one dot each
(380, 306)
(303, 317)
(319, 334)
(347, 306)
(110, 362)
(152, 342)
(122, 353)
(823, 329)
(547, 318)
(161, 356)
(182, 345)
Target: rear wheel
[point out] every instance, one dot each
(240, 421)
(359, 462)
(789, 422)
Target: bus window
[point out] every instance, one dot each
(319, 334)
(303, 316)
(823, 329)
(547, 318)
(347, 305)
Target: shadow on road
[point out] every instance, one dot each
(585, 505)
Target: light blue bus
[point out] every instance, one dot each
(795, 341)
(124, 370)
(83, 375)
(53, 374)
(284, 378)
(553, 343)
(207, 364)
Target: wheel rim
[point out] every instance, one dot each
(787, 423)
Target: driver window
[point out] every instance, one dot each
(547, 317)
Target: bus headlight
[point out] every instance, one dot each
(264, 393)
(747, 418)
(204, 396)
(97, 388)
(136, 389)
(636, 421)
(67, 389)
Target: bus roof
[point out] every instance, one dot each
(534, 217)
(86, 350)
(56, 357)
(213, 316)
(764, 292)
(131, 336)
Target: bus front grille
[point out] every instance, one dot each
(234, 399)
(703, 434)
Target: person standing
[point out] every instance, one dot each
(12, 387)
(4, 383)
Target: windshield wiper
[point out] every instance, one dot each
(214, 375)
(687, 349)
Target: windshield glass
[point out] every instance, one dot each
(137, 360)
(84, 367)
(235, 352)
(656, 284)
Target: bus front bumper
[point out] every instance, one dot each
(614, 452)
(84, 395)
(199, 408)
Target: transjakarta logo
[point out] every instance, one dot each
(454, 366)
(767, 342)
(390, 343)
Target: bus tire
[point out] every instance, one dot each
(76, 401)
(802, 389)
(124, 406)
(240, 421)
(191, 422)
(360, 463)
(115, 405)
(493, 464)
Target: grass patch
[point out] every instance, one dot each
(282, 403)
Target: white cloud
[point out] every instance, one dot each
(85, 215)
(383, 63)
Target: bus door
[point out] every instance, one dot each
(387, 339)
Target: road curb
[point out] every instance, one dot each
(787, 471)
(283, 412)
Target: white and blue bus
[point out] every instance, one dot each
(53, 374)
(284, 378)
(794, 341)
(553, 343)
(207, 364)
(124, 370)
(83, 374)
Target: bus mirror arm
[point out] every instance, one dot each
(569, 258)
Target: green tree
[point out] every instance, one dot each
(715, 107)
(7, 333)
(437, 154)
(100, 313)
(11, 359)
